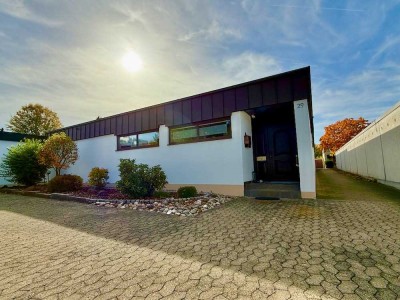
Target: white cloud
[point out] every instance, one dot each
(387, 45)
(189, 47)
(18, 9)
(249, 65)
(366, 94)
(214, 31)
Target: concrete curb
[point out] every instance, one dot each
(66, 197)
(55, 196)
(25, 193)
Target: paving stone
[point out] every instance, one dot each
(386, 295)
(351, 297)
(378, 282)
(331, 290)
(315, 279)
(347, 287)
(245, 249)
(280, 295)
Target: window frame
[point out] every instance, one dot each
(198, 138)
(137, 140)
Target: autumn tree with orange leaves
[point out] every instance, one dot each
(34, 119)
(339, 133)
(58, 152)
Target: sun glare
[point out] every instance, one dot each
(132, 62)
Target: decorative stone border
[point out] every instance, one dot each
(169, 206)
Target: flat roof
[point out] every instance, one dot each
(280, 88)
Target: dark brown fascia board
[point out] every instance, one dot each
(201, 94)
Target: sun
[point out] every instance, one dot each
(132, 62)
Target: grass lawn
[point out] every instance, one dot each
(336, 184)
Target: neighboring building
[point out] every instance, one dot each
(8, 139)
(327, 156)
(375, 151)
(217, 141)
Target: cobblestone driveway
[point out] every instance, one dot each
(246, 249)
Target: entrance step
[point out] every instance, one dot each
(289, 190)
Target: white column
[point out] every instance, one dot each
(305, 149)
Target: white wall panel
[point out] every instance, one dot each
(391, 154)
(361, 157)
(375, 152)
(305, 149)
(376, 168)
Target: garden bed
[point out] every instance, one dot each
(172, 205)
(112, 198)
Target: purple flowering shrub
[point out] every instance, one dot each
(108, 193)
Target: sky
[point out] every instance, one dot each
(66, 55)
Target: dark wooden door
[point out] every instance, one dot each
(275, 153)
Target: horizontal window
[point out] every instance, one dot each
(198, 133)
(140, 140)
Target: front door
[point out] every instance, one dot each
(275, 152)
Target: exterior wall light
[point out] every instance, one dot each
(247, 140)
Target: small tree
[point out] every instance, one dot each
(21, 163)
(98, 177)
(34, 119)
(339, 133)
(59, 152)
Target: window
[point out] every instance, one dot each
(140, 140)
(199, 133)
(127, 142)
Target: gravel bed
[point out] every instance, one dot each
(169, 206)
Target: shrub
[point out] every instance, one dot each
(163, 194)
(65, 183)
(329, 163)
(21, 163)
(98, 177)
(140, 180)
(187, 191)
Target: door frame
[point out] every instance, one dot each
(263, 124)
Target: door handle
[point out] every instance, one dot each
(297, 160)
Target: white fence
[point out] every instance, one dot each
(375, 152)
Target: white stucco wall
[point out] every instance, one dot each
(305, 149)
(375, 152)
(218, 162)
(247, 153)
(4, 145)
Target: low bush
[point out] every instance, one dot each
(140, 180)
(65, 183)
(37, 188)
(187, 192)
(98, 177)
(163, 194)
(329, 163)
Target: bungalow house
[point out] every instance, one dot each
(259, 131)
